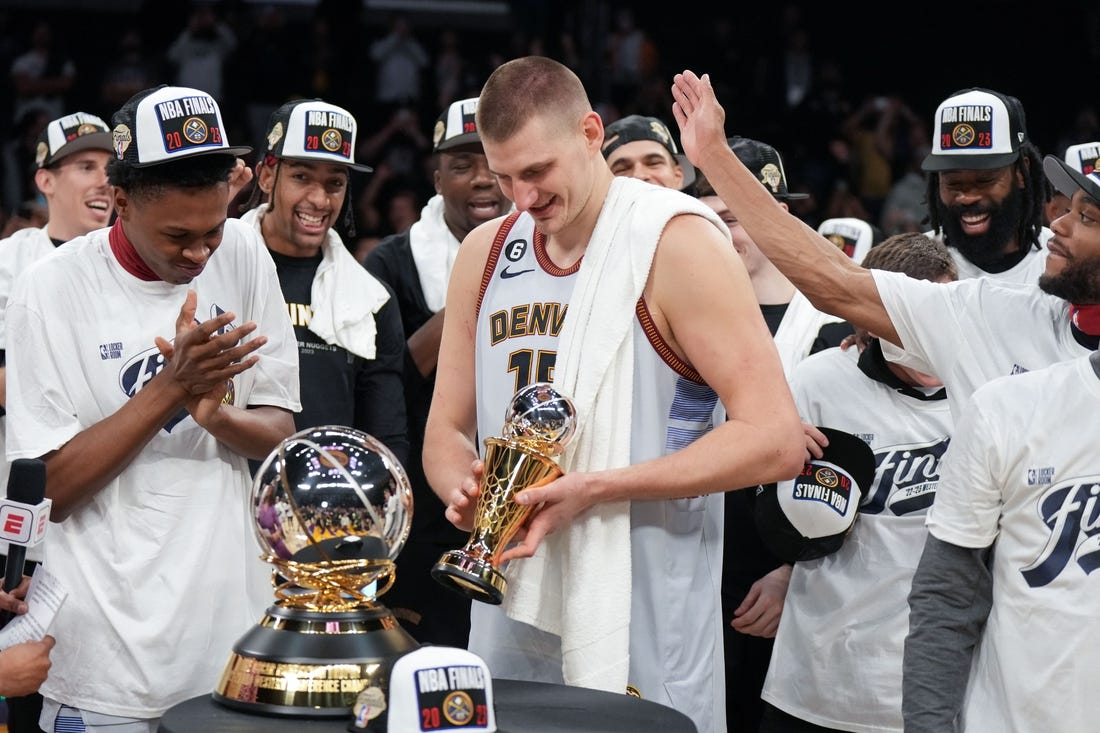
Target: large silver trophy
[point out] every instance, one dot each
(332, 508)
(538, 425)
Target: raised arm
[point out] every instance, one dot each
(829, 279)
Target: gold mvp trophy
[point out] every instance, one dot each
(539, 424)
(332, 508)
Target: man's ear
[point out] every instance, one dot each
(43, 179)
(122, 202)
(265, 177)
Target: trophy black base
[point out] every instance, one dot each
(472, 577)
(311, 664)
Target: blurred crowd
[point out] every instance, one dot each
(852, 131)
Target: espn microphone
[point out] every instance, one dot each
(24, 515)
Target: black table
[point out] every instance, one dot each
(527, 707)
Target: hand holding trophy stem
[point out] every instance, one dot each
(539, 423)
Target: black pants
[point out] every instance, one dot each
(776, 721)
(23, 713)
(430, 612)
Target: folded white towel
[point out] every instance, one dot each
(433, 249)
(578, 584)
(344, 297)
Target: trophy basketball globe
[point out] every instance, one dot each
(332, 508)
(539, 424)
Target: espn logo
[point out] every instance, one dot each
(24, 524)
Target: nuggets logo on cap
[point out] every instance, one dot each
(660, 131)
(85, 129)
(970, 125)
(332, 140)
(821, 483)
(195, 131)
(458, 708)
(452, 696)
(845, 245)
(188, 122)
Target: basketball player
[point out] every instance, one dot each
(616, 580)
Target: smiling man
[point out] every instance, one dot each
(350, 340)
(986, 189)
(642, 147)
(147, 362)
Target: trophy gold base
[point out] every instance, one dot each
(304, 663)
(473, 577)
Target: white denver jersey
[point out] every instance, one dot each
(676, 655)
(971, 331)
(838, 653)
(1037, 665)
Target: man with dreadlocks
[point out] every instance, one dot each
(986, 189)
(966, 332)
(350, 339)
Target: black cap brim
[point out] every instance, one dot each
(978, 162)
(1068, 180)
(92, 141)
(234, 152)
(466, 139)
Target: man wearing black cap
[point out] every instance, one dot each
(416, 265)
(642, 147)
(966, 332)
(148, 362)
(347, 324)
(986, 188)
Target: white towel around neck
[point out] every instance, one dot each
(344, 296)
(578, 584)
(433, 248)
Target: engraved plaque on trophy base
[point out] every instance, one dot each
(305, 663)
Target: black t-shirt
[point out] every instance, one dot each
(338, 387)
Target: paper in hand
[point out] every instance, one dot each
(44, 598)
